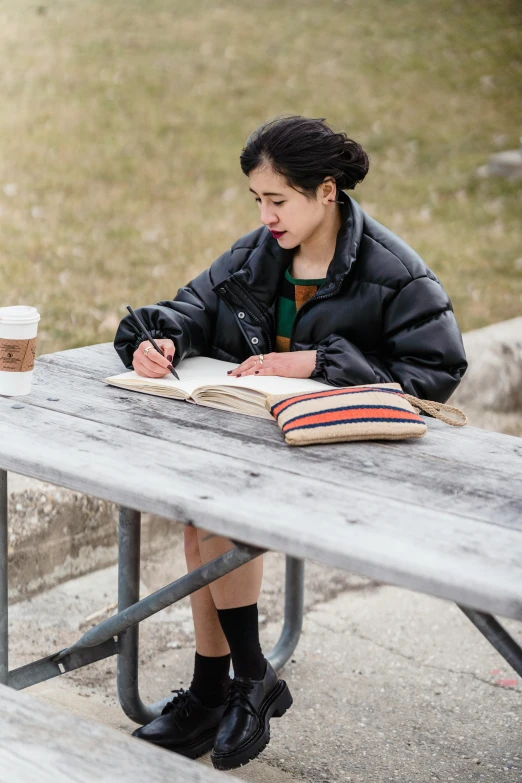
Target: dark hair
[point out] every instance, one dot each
(305, 151)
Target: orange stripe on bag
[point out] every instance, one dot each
(348, 414)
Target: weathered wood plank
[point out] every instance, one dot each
(435, 472)
(475, 446)
(439, 552)
(42, 744)
(100, 358)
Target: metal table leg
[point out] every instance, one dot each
(128, 640)
(128, 594)
(496, 635)
(293, 622)
(102, 640)
(4, 636)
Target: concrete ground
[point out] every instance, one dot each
(387, 684)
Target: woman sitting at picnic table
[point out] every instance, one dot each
(321, 290)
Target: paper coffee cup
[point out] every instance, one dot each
(18, 328)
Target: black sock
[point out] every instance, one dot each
(211, 679)
(241, 628)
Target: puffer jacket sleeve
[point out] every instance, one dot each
(188, 319)
(421, 342)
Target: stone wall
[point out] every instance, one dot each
(56, 534)
(491, 391)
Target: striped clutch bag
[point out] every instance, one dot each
(372, 412)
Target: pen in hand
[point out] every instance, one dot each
(149, 337)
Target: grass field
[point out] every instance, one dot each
(122, 123)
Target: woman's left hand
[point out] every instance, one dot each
(289, 364)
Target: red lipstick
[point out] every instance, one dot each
(277, 234)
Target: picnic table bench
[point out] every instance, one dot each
(43, 744)
(441, 515)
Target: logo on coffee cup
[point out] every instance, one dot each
(17, 355)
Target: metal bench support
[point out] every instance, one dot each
(128, 641)
(496, 635)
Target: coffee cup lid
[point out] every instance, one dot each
(19, 314)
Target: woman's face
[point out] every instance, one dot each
(288, 214)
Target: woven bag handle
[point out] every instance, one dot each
(435, 408)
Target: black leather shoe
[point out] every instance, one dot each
(244, 730)
(185, 725)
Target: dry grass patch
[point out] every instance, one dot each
(122, 124)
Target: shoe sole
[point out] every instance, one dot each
(277, 703)
(194, 749)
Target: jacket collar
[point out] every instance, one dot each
(262, 273)
(348, 239)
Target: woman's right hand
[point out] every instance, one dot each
(155, 365)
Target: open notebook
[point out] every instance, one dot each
(205, 381)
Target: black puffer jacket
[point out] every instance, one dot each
(381, 314)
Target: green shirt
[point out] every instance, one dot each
(292, 295)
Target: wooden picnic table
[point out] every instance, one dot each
(441, 515)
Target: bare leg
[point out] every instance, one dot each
(210, 639)
(239, 588)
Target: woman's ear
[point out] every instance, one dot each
(328, 190)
